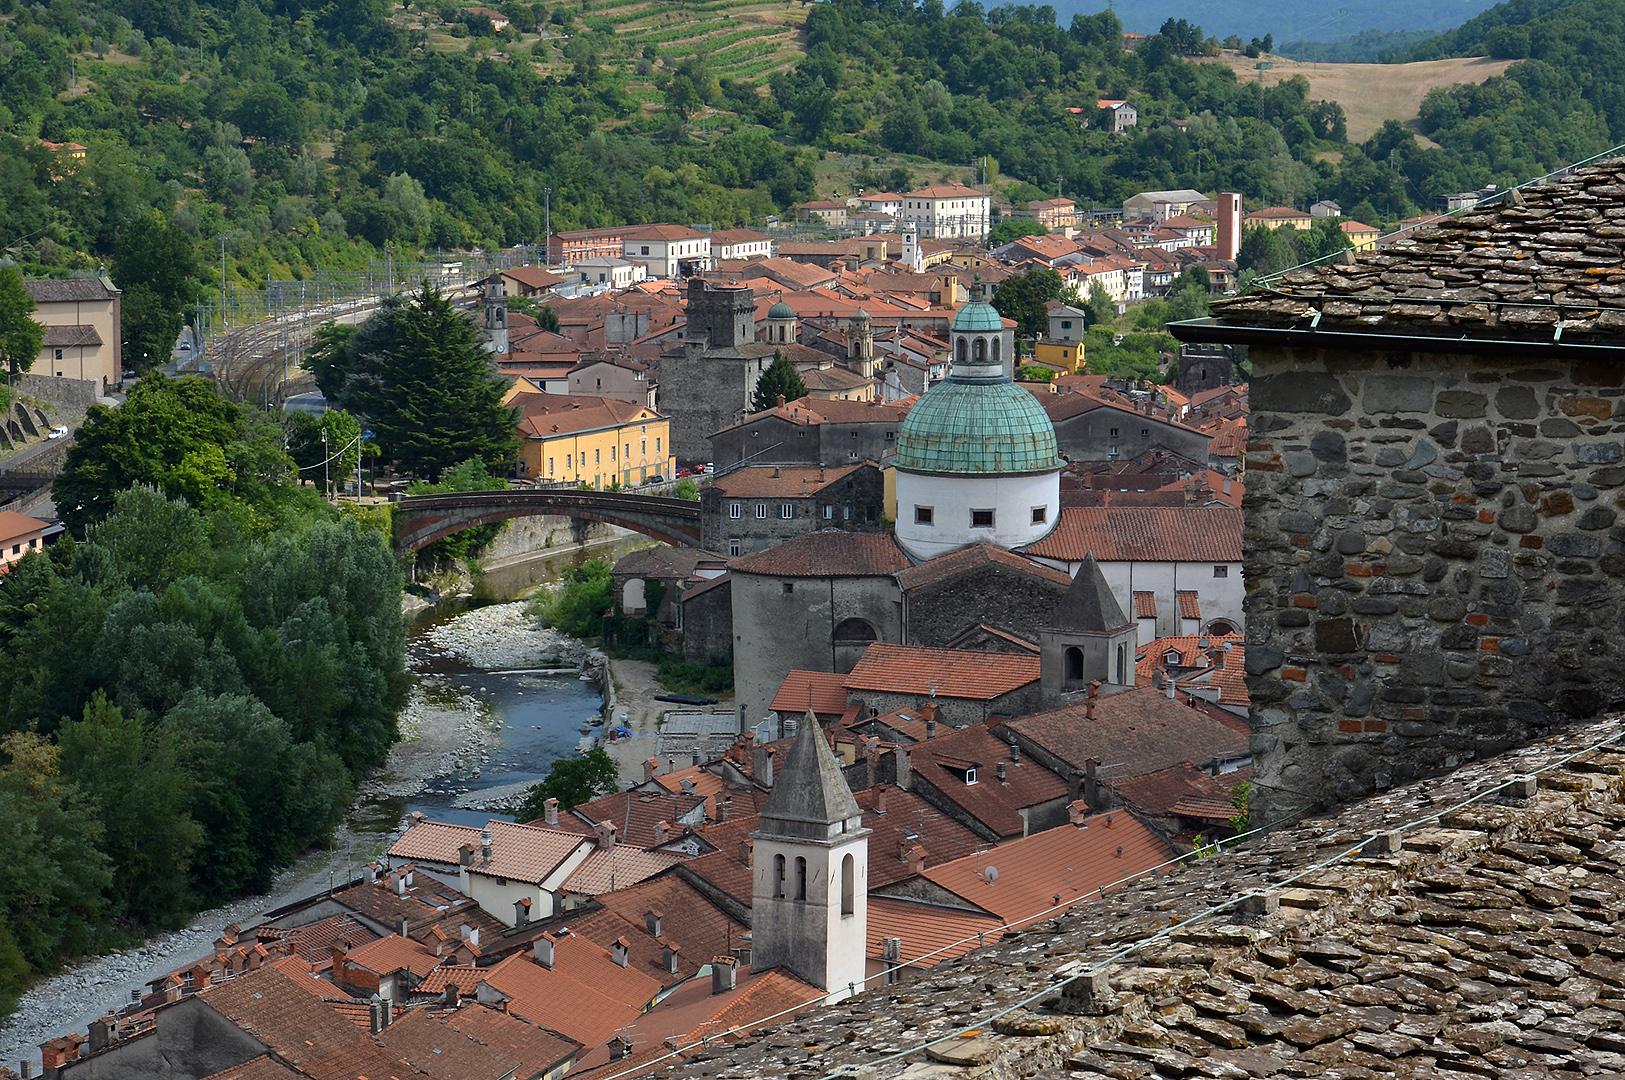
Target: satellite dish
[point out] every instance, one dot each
(992, 874)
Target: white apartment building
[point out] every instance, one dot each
(667, 251)
(948, 211)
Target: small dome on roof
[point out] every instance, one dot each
(978, 317)
(781, 310)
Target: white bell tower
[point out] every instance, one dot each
(810, 890)
(912, 256)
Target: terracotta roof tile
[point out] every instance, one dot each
(1190, 605)
(1145, 605)
(944, 762)
(546, 415)
(434, 841)
(946, 191)
(264, 1067)
(820, 691)
(527, 853)
(1155, 793)
(635, 814)
(14, 525)
(944, 567)
(393, 953)
(780, 481)
(827, 554)
(929, 935)
(618, 867)
(689, 920)
(1144, 534)
(978, 676)
(1133, 732)
(1069, 861)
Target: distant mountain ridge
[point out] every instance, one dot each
(1288, 20)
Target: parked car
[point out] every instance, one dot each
(58, 432)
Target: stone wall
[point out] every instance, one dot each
(996, 595)
(1433, 562)
(67, 397)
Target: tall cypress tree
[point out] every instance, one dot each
(439, 401)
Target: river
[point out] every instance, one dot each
(477, 721)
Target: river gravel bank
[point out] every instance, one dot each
(441, 726)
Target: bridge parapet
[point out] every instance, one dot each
(423, 519)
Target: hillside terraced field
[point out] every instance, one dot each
(1371, 93)
(739, 39)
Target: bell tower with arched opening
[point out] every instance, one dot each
(1089, 639)
(810, 886)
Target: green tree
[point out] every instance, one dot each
(1006, 231)
(1022, 297)
(157, 267)
(328, 358)
(21, 337)
(688, 490)
(438, 398)
(573, 781)
(780, 379)
(470, 475)
(581, 601)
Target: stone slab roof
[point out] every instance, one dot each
(1543, 264)
(1131, 732)
(1461, 926)
(67, 337)
(69, 290)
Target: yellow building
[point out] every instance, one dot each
(589, 440)
(1066, 356)
(1360, 235)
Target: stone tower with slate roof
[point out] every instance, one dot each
(809, 896)
(1089, 639)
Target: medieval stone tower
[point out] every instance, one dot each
(496, 314)
(1090, 639)
(708, 384)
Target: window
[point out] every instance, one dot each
(734, 510)
(612, 452)
(789, 588)
(1114, 433)
(1145, 433)
(1074, 664)
(787, 510)
(849, 891)
(566, 461)
(657, 444)
(733, 545)
(645, 249)
(778, 877)
(1040, 515)
(626, 452)
(1066, 324)
(829, 511)
(1122, 665)
(1111, 451)
(1221, 571)
(970, 776)
(979, 350)
(981, 519)
(761, 510)
(801, 878)
(595, 456)
(890, 435)
(923, 515)
(550, 466)
(846, 513)
(59, 354)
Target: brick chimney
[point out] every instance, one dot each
(880, 798)
(725, 807)
(521, 911)
(724, 974)
(662, 831)
(551, 812)
(1076, 811)
(651, 767)
(916, 859)
(605, 832)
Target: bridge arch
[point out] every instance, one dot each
(422, 519)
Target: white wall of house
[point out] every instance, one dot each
(1218, 587)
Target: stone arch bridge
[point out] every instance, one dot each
(423, 519)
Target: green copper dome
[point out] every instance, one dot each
(977, 428)
(781, 310)
(977, 317)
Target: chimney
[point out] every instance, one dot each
(416, 818)
(521, 912)
(400, 879)
(1091, 782)
(1015, 752)
(619, 1047)
(375, 1009)
(651, 923)
(401, 925)
(662, 831)
(485, 845)
(542, 948)
(725, 807)
(618, 951)
(1094, 688)
(724, 974)
(100, 1035)
(408, 869)
(1172, 686)
(880, 798)
(931, 727)
(605, 831)
(452, 996)
(552, 812)
(668, 958)
(904, 771)
(762, 765)
(916, 860)
(1076, 811)
(696, 757)
(686, 786)
(747, 851)
(999, 771)
(651, 766)
(371, 871)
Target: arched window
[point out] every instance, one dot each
(1074, 664)
(778, 877)
(981, 350)
(997, 359)
(849, 885)
(855, 630)
(1221, 627)
(801, 878)
(959, 351)
(1122, 665)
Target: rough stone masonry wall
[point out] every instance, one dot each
(1433, 562)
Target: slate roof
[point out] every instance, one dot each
(1485, 942)
(979, 676)
(1542, 261)
(1134, 732)
(1088, 605)
(809, 794)
(67, 337)
(1144, 534)
(826, 554)
(965, 560)
(66, 291)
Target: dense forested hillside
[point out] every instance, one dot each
(297, 137)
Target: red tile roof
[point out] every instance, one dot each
(1156, 793)
(635, 814)
(929, 935)
(15, 526)
(547, 415)
(434, 841)
(827, 554)
(780, 481)
(820, 691)
(946, 191)
(264, 1067)
(979, 676)
(393, 953)
(1133, 732)
(1144, 534)
(689, 920)
(1190, 605)
(944, 567)
(1069, 862)
(527, 853)
(618, 867)
(1145, 605)
(944, 763)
